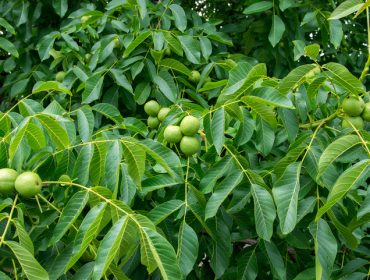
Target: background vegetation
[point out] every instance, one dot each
(278, 188)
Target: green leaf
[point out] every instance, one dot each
(277, 30)
(214, 173)
(121, 80)
(312, 51)
(191, 48)
(93, 88)
(31, 268)
(276, 261)
(218, 129)
(264, 212)
(188, 247)
(70, 42)
(45, 45)
(165, 88)
(57, 132)
(174, 44)
(19, 87)
(180, 17)
(165, 157)
(109, 247)
(109, 111)
(336, 32)
(205, 47)
(272, 96)
(87, 231)
(335, 150)
(9, 47)
(70, 213)
(350, 239)
(162, 211)
(247, 265)
(212, 85)
(50, 86)
(290, 123)
(285, 192)
(18, 137)
(258, 7)
(347, 180)
(242, 79)
(85, 122)
(135, 43)
(7, 26)
(35, 137)
(142, 8)
(60, 7)
(163, 254)
(266, 112)
(224, 188)
(363, 8)
(365, 206)
(175, 65)
(325, 249)
(295, 78)
(24, 239)
(82, 165)
(346, 8)
(344, 78)
(265, 136)
(135, 158)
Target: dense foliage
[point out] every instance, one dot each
(103, 102)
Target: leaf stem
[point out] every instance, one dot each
(9, 220)
(367, 64)
(319, 122)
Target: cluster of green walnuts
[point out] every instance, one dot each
(185, 133)
(27, 184)
(356, 112)
(156, 113)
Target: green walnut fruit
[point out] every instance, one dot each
(28, 184)
(117, 43)
(162, 114)
(167, 51)
(64, 178)
(189, 145)
(60, 76)
(357, 122)
(172, 134)
(194, 76)
(152, 108)
(153, 122)
(189, 125)
(87, 57)
(84, 19)
(366, 112)
(353, 106)
(7, 179)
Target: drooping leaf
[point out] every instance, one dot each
(70, 213)
(108, 247)
(30, 266)
(346, 8)
(222, 191)
(277, 30)
(264, 212)
(180, 16)
(347, 180)
(135, 43)
(188, 247)
(285, 192)
(258, 7)
(325, 249)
